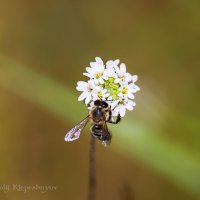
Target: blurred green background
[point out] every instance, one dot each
(44, 49)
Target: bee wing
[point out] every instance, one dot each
(75, 132)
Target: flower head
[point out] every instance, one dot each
(95, 71)
(109, 82)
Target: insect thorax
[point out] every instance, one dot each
(98, 115)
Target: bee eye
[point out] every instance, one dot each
(97, 103)
(104, 104)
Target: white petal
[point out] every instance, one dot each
(120, 95)
(91, 83)
(87, 100)
(122, 68)
(105, 77)
(82, 96)
(113, 105)
(81, 83)
(94, 96)
(116, 108)
(103, 91)
(117, 80)
(133, 88)
(88, 75)
(106, 72)
(122, 111)
(99, 60)
(136, 88)
(132, 103)
(116, 62)
(101, 68)
(110, 69)
(110, 98)
(128, 77)
(92, 64)
(134, 78)
(96, 81)
(82, 86)
(109, 63)
(115, 113)
(80, 89)
(129, 107)
(130, 95)
(114, 75)
(106, 95)
(117, 69)
(101, 81)
(90, 70)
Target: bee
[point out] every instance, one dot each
(98, 116)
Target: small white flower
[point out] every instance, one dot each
(108, 72)
(122, 106)
(99, 61)
(133, 88)
(123, 76)
(112, 63)
(114, 104)
(111, 83)
(87, 89)
(120, 109)
(96, 71)
(126, 92)
(100, 94)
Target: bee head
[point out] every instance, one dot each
(101, 103)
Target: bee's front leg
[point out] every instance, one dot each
(118, 119)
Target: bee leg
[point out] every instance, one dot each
(118, 119)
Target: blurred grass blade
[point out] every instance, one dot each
(39, 89)
(174, 162)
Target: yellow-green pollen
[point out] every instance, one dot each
(111, 87)
(100, 95)
(98, 75)
(125, 90)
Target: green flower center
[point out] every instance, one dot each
(111, 87)
(100, 95)
(98, 75)
(125, 90)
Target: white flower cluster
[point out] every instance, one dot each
(109, 82)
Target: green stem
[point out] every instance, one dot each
(92, 172)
